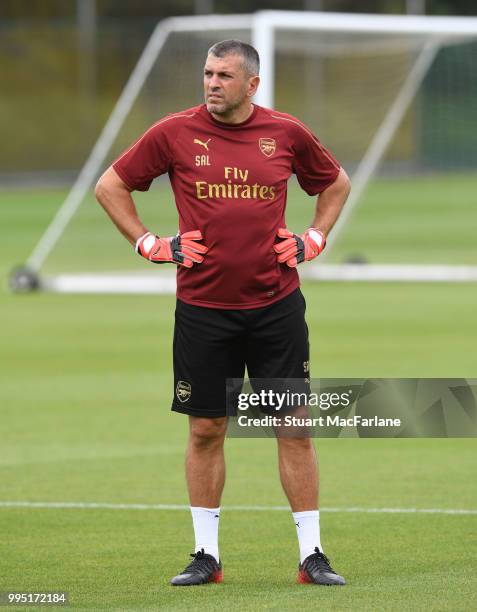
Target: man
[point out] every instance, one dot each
(238, 297)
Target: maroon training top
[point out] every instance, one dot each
(230, 182)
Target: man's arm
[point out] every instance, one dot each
(116, 199)
(330, 202)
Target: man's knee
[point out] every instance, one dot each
(294, 444)
(205, 432)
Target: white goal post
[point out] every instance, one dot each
(264, 28)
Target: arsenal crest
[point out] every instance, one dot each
(267, 146)
(183, 391)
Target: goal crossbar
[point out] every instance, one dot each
(369, 23)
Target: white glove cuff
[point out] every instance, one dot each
(317, 237)
(140, 240)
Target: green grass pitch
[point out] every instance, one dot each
(84, 412)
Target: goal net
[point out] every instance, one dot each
(393, 97)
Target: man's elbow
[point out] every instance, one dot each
(99, 190)
(102, 187)
(106, 185)
(344, 183)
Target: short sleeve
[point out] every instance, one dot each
(146, 159)
(315, 167)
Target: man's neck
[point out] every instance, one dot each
(239, 115)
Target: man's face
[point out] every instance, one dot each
(226, 84)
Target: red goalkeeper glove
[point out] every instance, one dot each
(182, 249)
(293, 249)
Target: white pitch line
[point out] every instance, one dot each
(106, 506)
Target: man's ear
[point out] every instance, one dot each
(253, 86)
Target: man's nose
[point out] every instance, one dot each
(214, 82)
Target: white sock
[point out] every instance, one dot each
(308, 531)
(206, 529)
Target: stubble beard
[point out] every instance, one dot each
(224, 108)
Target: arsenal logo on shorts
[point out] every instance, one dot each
(267, 146)
(183, 391)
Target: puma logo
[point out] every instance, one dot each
(202, 144)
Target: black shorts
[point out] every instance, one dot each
(211, 345)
